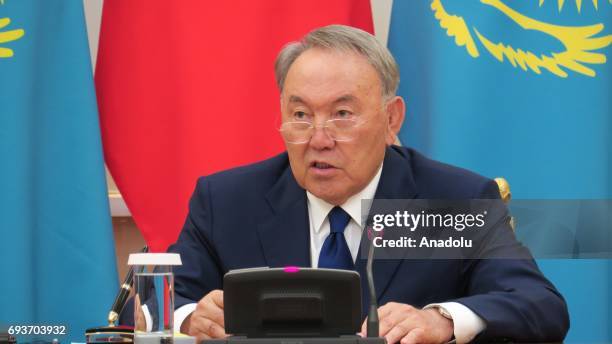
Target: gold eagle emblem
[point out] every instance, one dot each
(8, 36)
(582, 44)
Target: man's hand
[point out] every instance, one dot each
(140, 323)
(206, 321)
(401, 323)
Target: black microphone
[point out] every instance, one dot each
(373, 325)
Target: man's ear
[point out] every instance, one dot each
(396, 109)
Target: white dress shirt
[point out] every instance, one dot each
(318, 210)
(466, 323)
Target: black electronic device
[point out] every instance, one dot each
(292, 302)
(109, 334)
(298, 305)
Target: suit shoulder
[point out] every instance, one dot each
(260, 175)
(436, 179)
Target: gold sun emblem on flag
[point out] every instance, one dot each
(582, 44)
(8, 35)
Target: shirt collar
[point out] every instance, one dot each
(320, 208)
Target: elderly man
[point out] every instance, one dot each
(340, 118)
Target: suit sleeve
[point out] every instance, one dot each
(201, 271)
(511, 295)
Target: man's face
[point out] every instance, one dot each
(322, 85)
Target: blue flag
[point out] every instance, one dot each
(518, 89)
(57, 256)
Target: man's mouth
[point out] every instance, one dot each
(322, 165)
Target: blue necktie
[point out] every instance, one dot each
(335, 253)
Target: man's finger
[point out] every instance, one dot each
(217, 297)
(216, 331)
(202, 325)
(415, 336)
(141, 323)
(400, 330)
(386, 309)
(208, 308)
(201, 336)
(399, 314)
(385, 325)
(197, 328)
(392, 318)
(362, 332)
(386, 318)
(385, 322)
(364, 327)
(213, 312)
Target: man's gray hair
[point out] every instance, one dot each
(342, 38)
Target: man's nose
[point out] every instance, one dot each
(320, 139)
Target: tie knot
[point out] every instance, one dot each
(338, 219)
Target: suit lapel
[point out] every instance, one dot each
(284, 233)
(396, 182)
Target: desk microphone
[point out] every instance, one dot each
(372, 327)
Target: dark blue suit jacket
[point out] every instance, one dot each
(257, 216)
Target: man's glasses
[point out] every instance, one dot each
(340, 130)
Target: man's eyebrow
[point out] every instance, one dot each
(345, 99)
(342, 99)
(296, 99)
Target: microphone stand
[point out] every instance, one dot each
(373, 323)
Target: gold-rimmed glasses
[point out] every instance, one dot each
(340, 130)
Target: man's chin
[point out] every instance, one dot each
(329, 195)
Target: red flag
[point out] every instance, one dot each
(186, 88)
